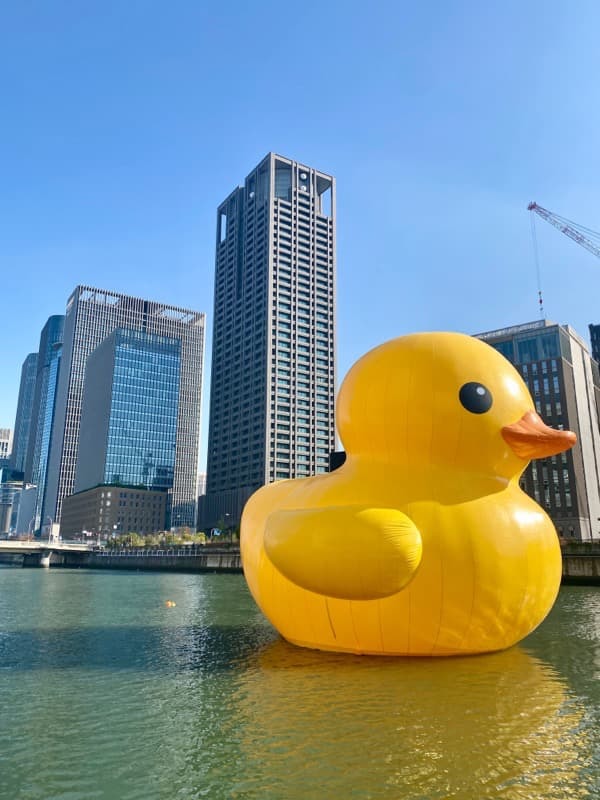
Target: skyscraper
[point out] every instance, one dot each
(48, 364)
(565, 385)
(273, 359)
(92, 315)
(24, 412)
(129, 412)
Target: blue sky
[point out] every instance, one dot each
(123, 125)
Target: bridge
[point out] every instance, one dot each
(38, 552)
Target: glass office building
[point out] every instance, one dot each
(38, 448)
(39, 472)
(24, 412)
(129, 412)
(92, 315)
(564, 382)
(273, 358)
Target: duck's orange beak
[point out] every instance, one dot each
(530, 437)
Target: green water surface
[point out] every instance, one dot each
(107, 693)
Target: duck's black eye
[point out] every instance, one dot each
(476, 398)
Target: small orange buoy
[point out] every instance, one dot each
(170, 603)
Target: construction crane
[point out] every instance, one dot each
(586, 237)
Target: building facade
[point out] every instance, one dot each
(24, 513)
(11, 486)
(595, 341)
(273, 358)
(113, 510)
(129, 412)
(564, 382)
(24, 412)
(92, 315)
(48, 365)
(6, 438)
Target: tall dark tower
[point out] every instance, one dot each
(273, 358)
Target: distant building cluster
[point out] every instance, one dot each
(107, 429)
(111, 424)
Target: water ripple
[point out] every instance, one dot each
(109, 695)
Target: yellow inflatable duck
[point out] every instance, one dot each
(422, 543)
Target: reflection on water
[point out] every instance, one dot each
(107, 694)
(491, 726)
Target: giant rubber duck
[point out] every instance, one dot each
(423, 542)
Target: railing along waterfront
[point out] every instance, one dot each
(201, 558)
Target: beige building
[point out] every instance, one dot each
(564, 382)
(113, 510)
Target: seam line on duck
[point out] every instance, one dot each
(329, 617)
(525, 585)
(352, 620)
(474, 584)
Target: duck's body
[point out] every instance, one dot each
(430, 555)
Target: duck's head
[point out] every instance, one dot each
(444, 399)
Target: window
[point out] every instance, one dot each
(222, 227)
(283, 181)
(506, 348)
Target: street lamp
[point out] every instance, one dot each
(227, 528)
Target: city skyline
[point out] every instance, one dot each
(437, 149)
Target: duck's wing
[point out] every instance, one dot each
(351, 552)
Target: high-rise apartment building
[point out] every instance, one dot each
(273, 358)
(48, 364)
(565, 385)
(92, 315)
(24, 412)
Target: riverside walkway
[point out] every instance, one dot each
(195, 558)
(580, 560)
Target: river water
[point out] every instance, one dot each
(108, 693)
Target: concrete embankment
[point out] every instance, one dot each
(581, 561)
(200, 560)
(581, 564)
